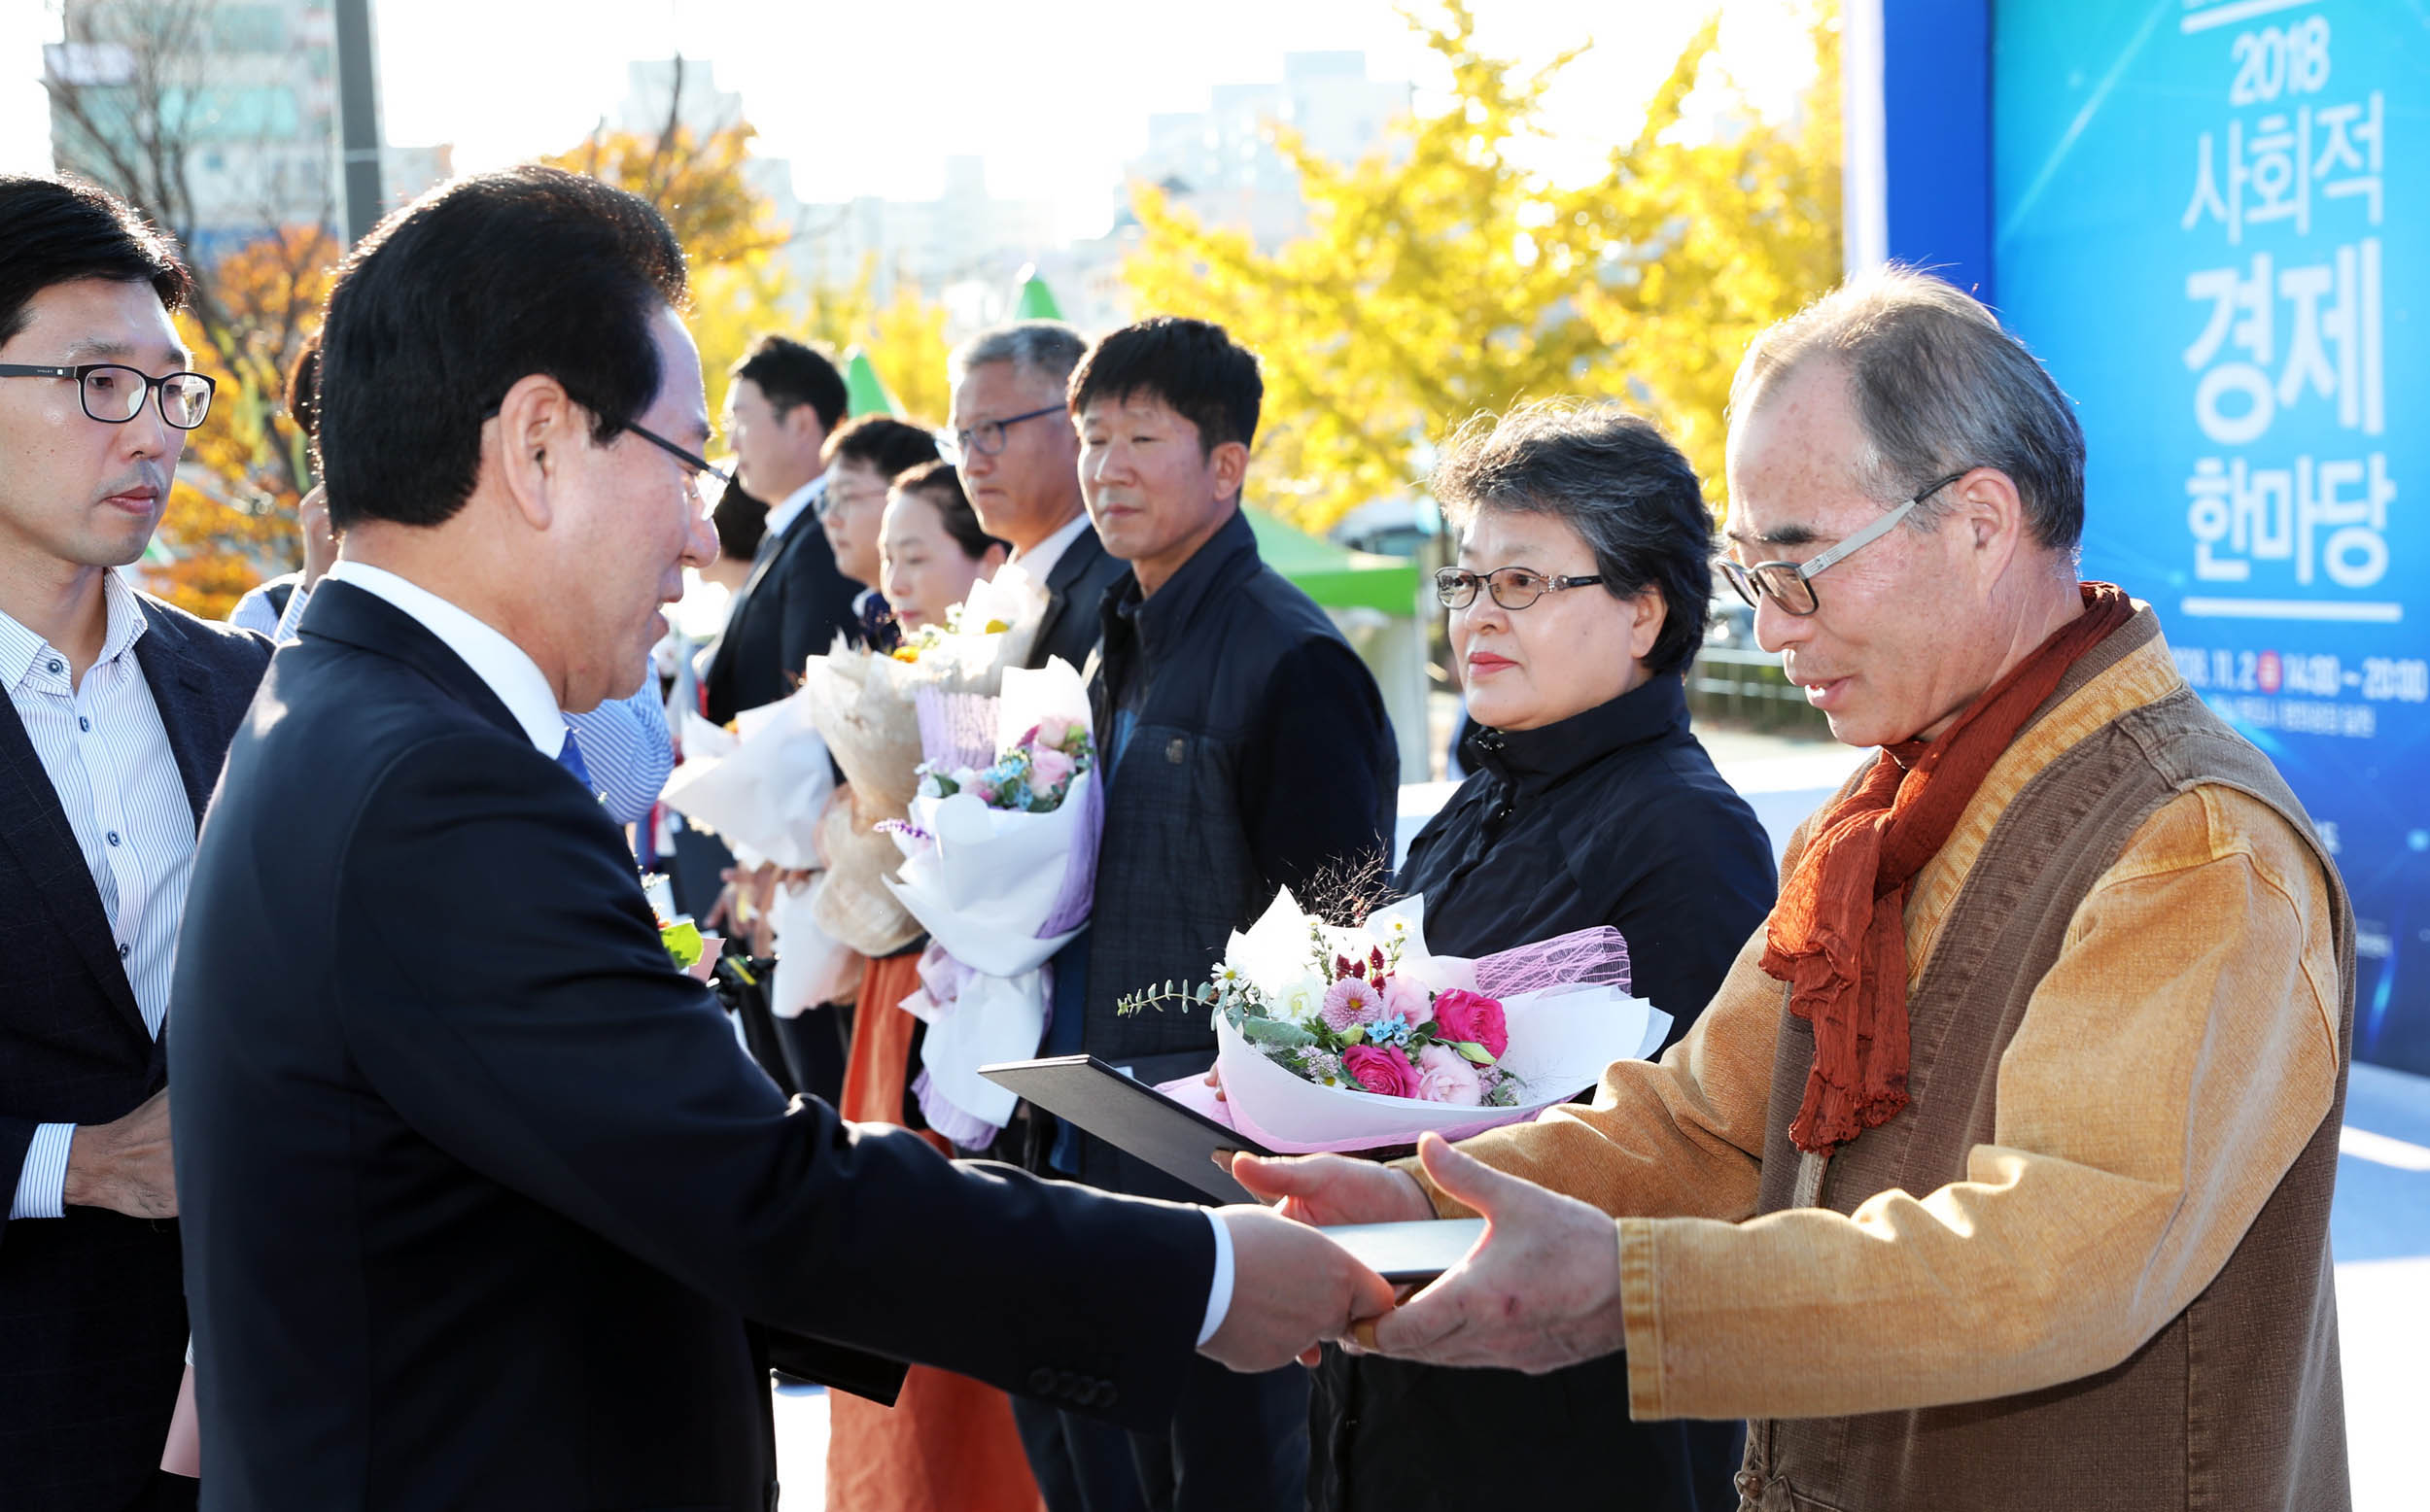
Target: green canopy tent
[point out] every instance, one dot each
(863, 393)
(1036, 301)
(1375, 601)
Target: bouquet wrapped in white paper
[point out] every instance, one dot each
(761, 787)
(998, 853)
(866, 706)
(1331, 1039)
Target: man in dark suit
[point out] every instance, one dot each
(482, 1200)
(120, 712)
(779, 408)
(1020, 462)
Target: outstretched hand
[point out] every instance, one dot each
(1292, 1288)
(1331, 1189)
(1541, 1289)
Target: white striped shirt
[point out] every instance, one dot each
(102, 744)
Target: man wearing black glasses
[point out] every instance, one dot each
(123, 708)
(485, 1208)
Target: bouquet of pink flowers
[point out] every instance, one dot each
(997, 860)
(1351, 1039)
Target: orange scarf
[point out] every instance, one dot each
(1839, 936)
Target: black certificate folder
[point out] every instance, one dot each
(1132, 1117)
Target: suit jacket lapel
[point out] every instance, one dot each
(182, 691)
(769, 555)
(1068, 569)
(34, 832)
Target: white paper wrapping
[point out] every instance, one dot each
(762, 790)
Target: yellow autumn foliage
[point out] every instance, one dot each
(1441, 276)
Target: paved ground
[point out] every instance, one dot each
(2380, 1226)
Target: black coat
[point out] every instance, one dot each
(479, 1190)
(791, 608)
(1258, 756)
(92, 1310)
(1615, 816)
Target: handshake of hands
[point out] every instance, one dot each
(1540, 1289)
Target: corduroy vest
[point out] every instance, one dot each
(2235, 1403)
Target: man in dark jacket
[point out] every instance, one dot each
(118, 713)
(1246, 749)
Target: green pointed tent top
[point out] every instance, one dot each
(863, 394)
(1336, 576)
(1037, 301)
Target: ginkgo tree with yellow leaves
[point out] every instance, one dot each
(1442, 276)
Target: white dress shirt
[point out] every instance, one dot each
(521, 686)
(625, 744)
(103, 745)
(497, 661)
(1039, 560)
(782, 514)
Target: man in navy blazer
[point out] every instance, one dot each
(119, 712)
(484, 1205)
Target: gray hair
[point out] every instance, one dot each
(1615, 479)
(1939, 388)
(1050, 349)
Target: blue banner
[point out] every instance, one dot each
(2211, 219)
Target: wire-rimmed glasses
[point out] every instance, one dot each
(1791, 584)
(1511, 587)
(114, 393)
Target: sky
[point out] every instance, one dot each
(871, 99)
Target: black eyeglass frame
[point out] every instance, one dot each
(1447, 583)
(967, 441)
(699, 464)
(1753, 582)
(156, 389)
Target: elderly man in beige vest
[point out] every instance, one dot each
(1997, 1173)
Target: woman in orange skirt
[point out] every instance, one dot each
(948, 1444)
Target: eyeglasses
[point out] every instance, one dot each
(832, 499)
(1511, 587)
(700, 473)
(1791, 584)
(114, 394)
(987, 437)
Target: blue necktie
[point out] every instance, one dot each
(570, 757)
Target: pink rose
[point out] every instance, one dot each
(1052, 731)
(1379, 1070)
(1461, 1014)
(1408, 999)
(1049, 769)
(1444, 1076)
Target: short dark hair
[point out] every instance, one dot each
(303, 385)
(790, 374)
(462, 294)
(741, 520)
(55, 229)
(1618, 481)
(881, 443)
(1192, 366)
(940, 485)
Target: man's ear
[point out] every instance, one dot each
(1230, 461)
(1989, 513)
(536, 426)
(1648, 611)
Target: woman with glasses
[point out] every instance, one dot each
(1578, 600)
